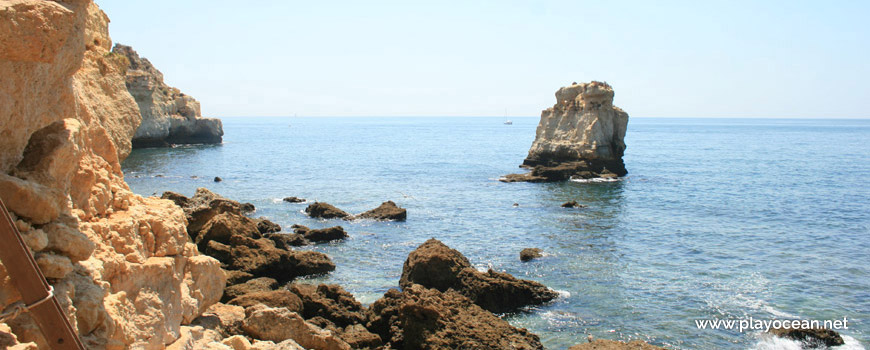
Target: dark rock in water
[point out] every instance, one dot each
(247, 208)
(563, 171)
(272, 298)
(287, 240)
(265, 226)
(572, 204)
(330, 302)
(811, 338)
(325, 234)
(179, 199)
(604, 344)
(262, 284)
(218, 179)
(386, 211)
(237, 277)
(224, 226)
(260, 257)
(300, 229)
(325, 211)
(530, 253)
(294, 199)
(422, 318)
(435, 265)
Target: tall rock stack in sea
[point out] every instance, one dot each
(168, 115)
(581, 136)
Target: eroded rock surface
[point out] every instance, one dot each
(168, 115)
(811, 337)
(604, 344)
(435, 265)
(581, 136)
(387, 211)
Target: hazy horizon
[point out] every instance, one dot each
(668, 60)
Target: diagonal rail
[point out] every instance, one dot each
(34, 290)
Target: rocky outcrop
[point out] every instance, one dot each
(581, 136)
(423, 318)
(811, 338)
(387, 211)
(280, 324)
(168, 115)
(604, 344)
(325, 211)
(529, 254)
(122, 266)
(435, 265)
(320, 235)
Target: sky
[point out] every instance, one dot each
(777, 59)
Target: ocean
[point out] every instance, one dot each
(717, 218)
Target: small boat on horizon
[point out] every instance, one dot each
(508, 122)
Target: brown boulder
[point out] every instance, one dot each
(287, 240)
(294, 199)
(530, 253)
(279, 324)
(260, 257)
(604, 344)
(572, 204)
(237, 277)
(178, 198)
(386, 211)
(811, 337)
(325, 211)
(261, 284)
(435, 265)
(223, 226)
(330, 302)
(325, 234)
(266, 226)
(272, 298)
(423, 318)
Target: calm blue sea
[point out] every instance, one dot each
(718, 218)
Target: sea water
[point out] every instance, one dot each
(718, 218)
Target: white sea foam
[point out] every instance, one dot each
(597, 179)
(563, 294)
(770, 342)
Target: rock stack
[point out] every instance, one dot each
(581, 136)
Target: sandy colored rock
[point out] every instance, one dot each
(604, 344)
(273, 298)
(279, 324)
(435, 265)
(168, 115)
(581, 136)
(425, 318)
(387, 211)
(53, 265)
(222, 318)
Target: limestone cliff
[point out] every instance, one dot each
(122, 265)
(581, 136)
(168, 116)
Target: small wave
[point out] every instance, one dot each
(596, 179)
(769, 342)
(563, 294)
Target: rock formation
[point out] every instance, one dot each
(604, 344)
(168, 115)
(581, 136)
(811, 338)
(122, 265)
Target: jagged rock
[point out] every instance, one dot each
(260, 258)
(248, 208)
(287, 240)
(67, 120)
(424, 318)
(218, 179)
(168, 116)
(197, 338)
(530, 253)
(53, 265)
(435, 265)
(219, 251)
(260, 284)
(325, 234)
(238, 342)
(358, 337)
(329, 301)
(177, 198)
(811, 338)
(224, 226)
(273, 298)
(265, 226)
(386, 211)
(604, 344)
(325, 211)
(294, 200)
(222, 318)
(279, 324)
(202, 207)
(581, 136)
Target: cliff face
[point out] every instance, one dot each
(581, 136)
(168, 115)
(121, 264)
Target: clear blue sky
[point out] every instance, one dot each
(805, 59)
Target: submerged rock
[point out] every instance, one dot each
(294, 200)
(530, 253)
(572, 204)
(581, 136)
(168, 116)
(423, 318)
(325, 211)
(435, 265)
(325, 234)
(604, 344)
(386, 211)
(811, 337)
